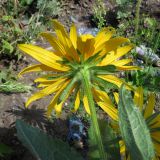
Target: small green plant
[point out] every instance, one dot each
(99, 12)
(148, 78)
(16, 29)
(124, 9)
(8, 83)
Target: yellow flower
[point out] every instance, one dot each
(73, 55)
(152, 119)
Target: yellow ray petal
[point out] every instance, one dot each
(35, 68)
(54, 43)
(127, 68)
(86, 105)
(44, 92)
(102, 96)
(64, 40)
(157, 149)
(122, 146)
(150, 106)
(114, 55)
(44, 84)
(85, 44)
(156, 135)
(77, 102)
(59, 28)
(104, 35)
(58, 108)
(138, 97)
(55, 98)
(118, 82)
(73, 36)
(47, 78)
(121, 62)
(116, 97)
(111, 45)
(89, 48)
(155, 122)
(42, 55)
(109, 109)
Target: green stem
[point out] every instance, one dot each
(137, 16)
(94, 119)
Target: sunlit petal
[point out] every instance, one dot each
(44, 92)
(36, 68)
(86, 105)
(138, 97)
(150, 106)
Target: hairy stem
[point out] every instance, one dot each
(94, 119)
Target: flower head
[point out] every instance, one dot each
(71, 57)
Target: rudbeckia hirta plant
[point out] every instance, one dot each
(79, 65)
(151, 117)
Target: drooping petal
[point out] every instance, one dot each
(73, 36)
(109, 109)
(77, 102)
(122, 146)
(116, 97)
(44, 92)
(138, 97)
(85, 44)
(127, 68)
(45, 57)
(104, 35)
(114, 55)
(113, 79)
(55, 44)
(89, 48)
(58, 108)
(121, 62)
(53, 102)
(44, 84)
(111, 45)
(157, 149)
(59, 28)
(64, 40)
(102, 96)
(86, 105)
(36, 68)
(48, 78)
(150, 106)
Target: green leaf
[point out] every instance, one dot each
(104, 69)
(4, 149)
(66, 91)
(43, 146)
(110, 141)
(133, 128)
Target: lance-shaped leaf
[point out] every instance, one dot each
(133, 128)
(42, 146)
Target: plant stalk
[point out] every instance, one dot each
(94, 119)
(138, 5)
